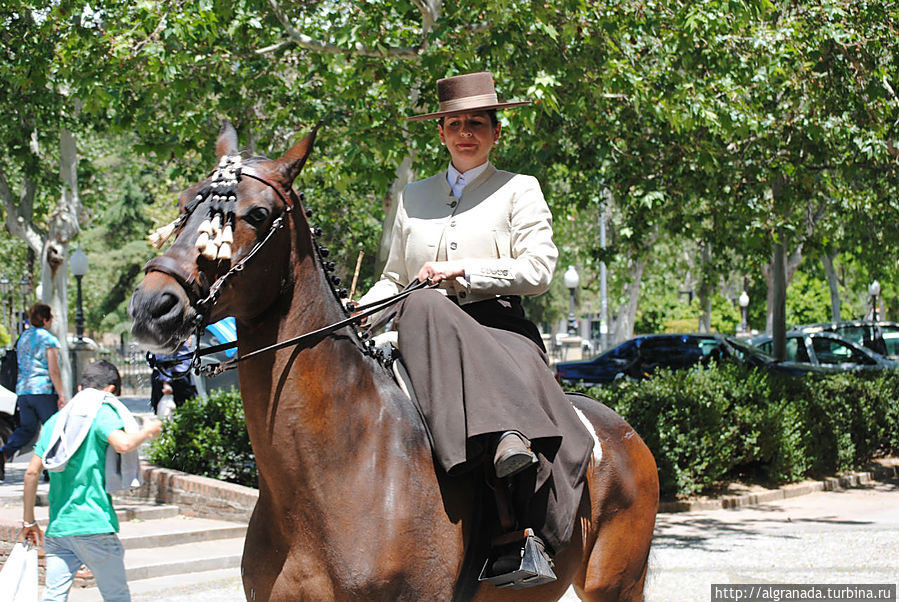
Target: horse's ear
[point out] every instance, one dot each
(227, 140)
(291, 162)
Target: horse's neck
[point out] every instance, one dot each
(309, 407)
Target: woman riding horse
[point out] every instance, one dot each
(352, 504)
(478, 365)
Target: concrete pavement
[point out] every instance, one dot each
(848, 536)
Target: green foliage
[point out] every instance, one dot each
(808, 300)
(726, 316)
(667, 313)
(208, 436)
(708, 426)
(679, 116)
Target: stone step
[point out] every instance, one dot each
(170, 547)
(11, 515)
(200, 560)
(178, 530)
(222, 585)
(193, 557)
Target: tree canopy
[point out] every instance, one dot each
(749, 133)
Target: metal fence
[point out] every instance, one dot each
(131, 360)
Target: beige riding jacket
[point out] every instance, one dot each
(501, 229)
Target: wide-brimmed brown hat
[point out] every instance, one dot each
(466, 93)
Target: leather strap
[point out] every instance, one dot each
(169, 266)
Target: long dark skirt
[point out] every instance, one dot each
(474, 382)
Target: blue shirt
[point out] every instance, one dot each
(166, 371)
(34, 371)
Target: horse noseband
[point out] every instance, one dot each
(165, 264)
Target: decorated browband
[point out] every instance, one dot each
(216, 232)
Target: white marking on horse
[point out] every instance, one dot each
(597, 446)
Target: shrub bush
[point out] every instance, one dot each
(705, 426)
(708, 426)
(207, 436)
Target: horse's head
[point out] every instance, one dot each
(232, 219)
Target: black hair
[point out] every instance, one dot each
(494, 120)
(99, 374)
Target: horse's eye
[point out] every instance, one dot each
(256, 216)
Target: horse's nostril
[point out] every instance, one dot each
(162, 304)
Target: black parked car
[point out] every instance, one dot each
(881, 336)
(639, 357)
(828, 351)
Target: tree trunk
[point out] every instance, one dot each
(705, 287)
(50, 246)
(791, 264)
(778, 294)
(627, 312)
(63, 227)
(832, 283)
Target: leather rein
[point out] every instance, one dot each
(203, 298)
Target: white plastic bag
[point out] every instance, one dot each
(165, 408)
(18, 579)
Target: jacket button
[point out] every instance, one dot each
(454, 203)
(453, 224)
(463, 294)
(453, 246)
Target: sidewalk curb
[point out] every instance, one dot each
(730, 502)
(203, 497)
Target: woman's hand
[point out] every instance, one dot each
(438, 271)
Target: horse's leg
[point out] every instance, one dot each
(624, 490)
(264, 554)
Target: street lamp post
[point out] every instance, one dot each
(744, 304)
(79, 265)
(572, 280)
(874, 291)
(5, 285)
(25, 287)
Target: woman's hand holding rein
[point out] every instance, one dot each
(438, 271)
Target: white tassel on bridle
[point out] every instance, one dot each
(213, 240)
(160, 235)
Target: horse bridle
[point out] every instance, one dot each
(203, 298)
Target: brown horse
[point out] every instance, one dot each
(351, 506)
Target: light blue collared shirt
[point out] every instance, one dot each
(458, 180)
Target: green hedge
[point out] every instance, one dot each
(709, 426)
(705, 427)
(207, 436)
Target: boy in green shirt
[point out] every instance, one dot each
(83, 523)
